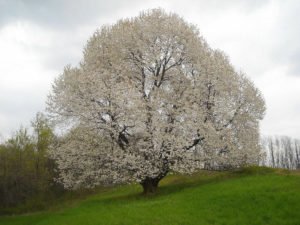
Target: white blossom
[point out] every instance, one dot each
(151, 96)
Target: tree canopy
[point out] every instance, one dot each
(150, 96)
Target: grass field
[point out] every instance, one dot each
(251, 196)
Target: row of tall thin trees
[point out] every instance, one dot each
(280, 152)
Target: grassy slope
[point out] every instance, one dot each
(254, 196)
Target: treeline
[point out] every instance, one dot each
(281, 152)
(27, 174)
(25, 169)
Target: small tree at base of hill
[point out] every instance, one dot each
(148, 97)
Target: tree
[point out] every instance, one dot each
(148, 97)
(43, 138)
(281, 152)
(26, 171)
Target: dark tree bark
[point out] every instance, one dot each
(150, 184)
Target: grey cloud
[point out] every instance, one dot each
(286, 48)
(294, 61)
(66, 14)
(61, 53)
(18, 106)
(62, 14)
(243, 5)
(63, 18)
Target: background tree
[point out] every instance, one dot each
(25, 168)
(151, 96)
(281, 152)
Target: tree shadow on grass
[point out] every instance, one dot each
(174, 183)
(170, 185)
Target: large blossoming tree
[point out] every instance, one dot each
(148, 97)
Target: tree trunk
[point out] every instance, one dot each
(150, 184)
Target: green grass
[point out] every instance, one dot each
(250, 196)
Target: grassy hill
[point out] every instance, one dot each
(251, 196)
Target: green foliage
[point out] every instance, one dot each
(25, 169)
(204, 198)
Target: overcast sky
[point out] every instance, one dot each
(38, 38)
